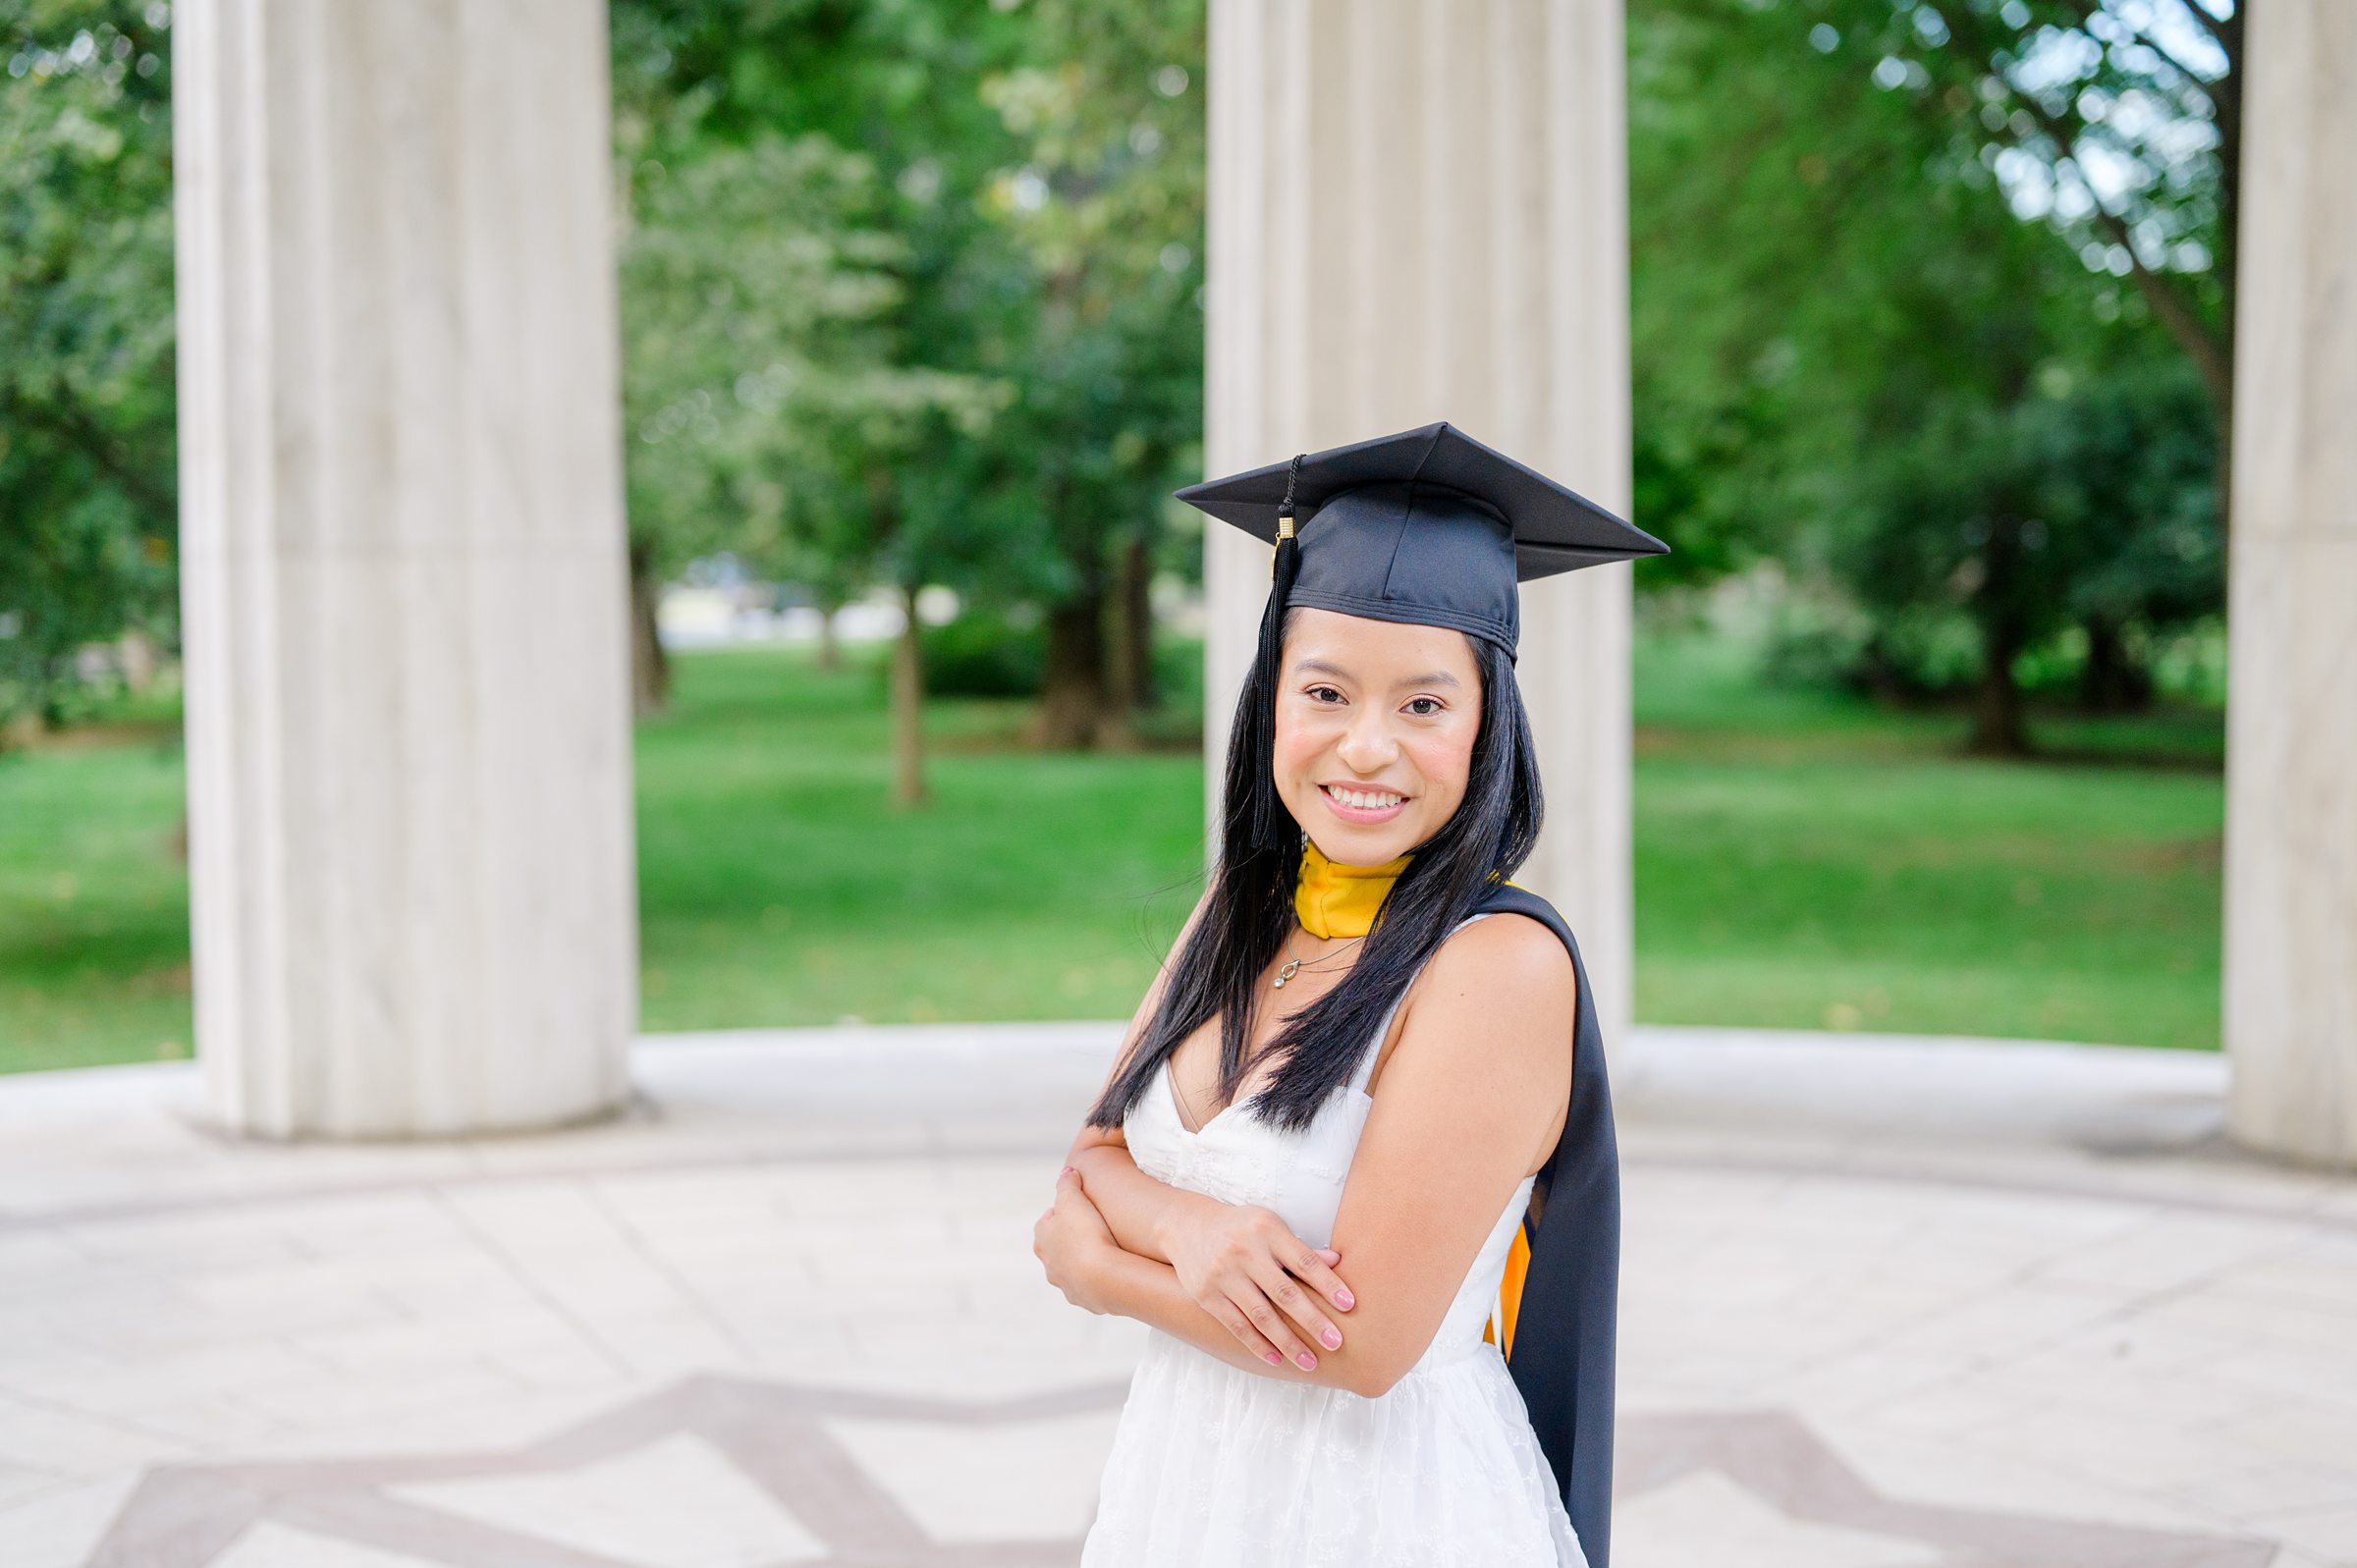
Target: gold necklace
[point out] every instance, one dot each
(1295, 964)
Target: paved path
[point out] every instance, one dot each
(1886, 1303)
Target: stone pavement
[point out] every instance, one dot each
(1885, 1303)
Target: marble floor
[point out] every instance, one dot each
(1886, 1302)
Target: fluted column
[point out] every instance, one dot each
(403, 574)
(1418, 211)
(2292, 732)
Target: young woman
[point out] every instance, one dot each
(1320, 1167)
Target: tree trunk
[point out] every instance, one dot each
(1997, 727)
(1877, 675)
(1132, 667)
(1129, 653)
(2111, 681)
(908, 707)
(2222, 492)
(830, 646)
(650, 665)
(1073, 706)
(49, 691)
(2225, 96)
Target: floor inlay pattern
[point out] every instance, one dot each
(805, 1498)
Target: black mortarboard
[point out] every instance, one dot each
(1428, 526)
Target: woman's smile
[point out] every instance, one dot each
(1360, 804)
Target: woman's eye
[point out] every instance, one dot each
(1321, 694)
(1432, 706)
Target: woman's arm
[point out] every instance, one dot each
(1143, 1288)
(1462, 1109)
(1140, 1209)
(1097, 1273)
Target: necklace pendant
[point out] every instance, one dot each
(1287, 973)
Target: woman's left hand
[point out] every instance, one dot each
(1068, 1238)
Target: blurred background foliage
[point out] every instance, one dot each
(88, 514)
(1931, 358)
(1929, 311)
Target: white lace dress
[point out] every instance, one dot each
(1212, 1465)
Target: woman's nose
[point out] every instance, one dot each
(1368, 745)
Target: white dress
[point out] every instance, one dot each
(1213, 1465)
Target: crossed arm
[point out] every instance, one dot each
(1481, 1070)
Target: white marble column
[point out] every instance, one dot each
(1419, 211)
(403, 596)
(2291, 732)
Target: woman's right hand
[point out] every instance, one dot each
(1242, 1263)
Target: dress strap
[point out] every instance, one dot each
(1365, 1070)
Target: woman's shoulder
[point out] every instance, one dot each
(1501, 969)
(1499, 988)
(1501, 980)
(1506, 951)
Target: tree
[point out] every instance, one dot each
(1106, 210)
(2127, 486)
(88, 517)
(1042, 167)
(1937, 506)
(2118, 123)
(1854, 354)
(756, 279)
(767, 413)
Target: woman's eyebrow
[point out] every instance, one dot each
(1433, 678)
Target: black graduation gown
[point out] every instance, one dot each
(1562, 1346)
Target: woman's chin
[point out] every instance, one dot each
(1353, 844)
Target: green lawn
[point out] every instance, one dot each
(93, 899)
(1807, 861)
(1802, 860)
(778, 886)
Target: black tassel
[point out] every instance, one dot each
(1267, 832)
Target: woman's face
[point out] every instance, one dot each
(1375, 729)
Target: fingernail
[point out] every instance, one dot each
(1343, 1299)
(1333, 1338)
(1306, 1361)
(1275, 1360)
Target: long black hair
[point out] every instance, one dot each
(1251, 912)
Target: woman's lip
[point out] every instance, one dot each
(1350, 813)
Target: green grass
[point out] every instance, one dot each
(778, 886)
(93, 899)
(1803, 859)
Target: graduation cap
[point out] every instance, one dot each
(1428, 526)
